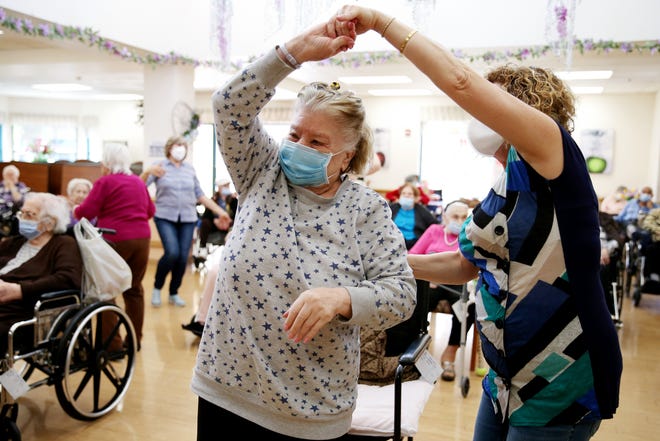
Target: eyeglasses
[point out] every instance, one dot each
(27, 215)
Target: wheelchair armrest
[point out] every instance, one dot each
(59, 294)
(57, 299)
(415, 350)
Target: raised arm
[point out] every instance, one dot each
(535, 135)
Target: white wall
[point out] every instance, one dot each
(634, 118)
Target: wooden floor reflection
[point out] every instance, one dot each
(160, 406)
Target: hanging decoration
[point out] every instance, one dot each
(560, 22)
(274, 17)
(423, 12)
(90, 37)
(221, 15)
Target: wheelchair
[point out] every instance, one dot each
(614, 277)
(65, 345)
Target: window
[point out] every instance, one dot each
(50, 139)
(205, 152)
(449, 163)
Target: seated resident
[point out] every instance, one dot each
(437, 239)
(12, 191)
(410, 215)
(41, 259)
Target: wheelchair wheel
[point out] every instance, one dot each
(93, 378)
(465, 386)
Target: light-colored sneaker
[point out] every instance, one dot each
(177, 301)
(155, 297)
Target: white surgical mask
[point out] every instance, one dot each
(178, 152)
(406, 203)
(484, 139)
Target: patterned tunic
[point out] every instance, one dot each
(545, 329)
(286, 240)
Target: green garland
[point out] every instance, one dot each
(90, 37)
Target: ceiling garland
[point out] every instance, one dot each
(89, 37)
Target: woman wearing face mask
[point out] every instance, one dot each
(177, 195)
(312, 258)
(635, 209)
(533, 243)
(41, 259)
(409, 215)
(440, 238)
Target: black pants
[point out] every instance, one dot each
(213, 423)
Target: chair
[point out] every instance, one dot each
(65, 344)
(379, 412)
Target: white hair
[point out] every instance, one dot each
(53, 207)
(117, 159)
(73, 183)
(11, 168)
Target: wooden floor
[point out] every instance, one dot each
(160, 406)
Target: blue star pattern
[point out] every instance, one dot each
(286, 240)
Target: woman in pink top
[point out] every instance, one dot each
(436, 239)
(119, 200)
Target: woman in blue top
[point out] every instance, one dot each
(410, 216)
(533, 242)
(177, 195)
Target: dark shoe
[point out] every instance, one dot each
(195, 327)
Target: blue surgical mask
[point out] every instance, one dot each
(407, 203)
(454, 228)
(28, 229)
(644, 197)
(304, 165)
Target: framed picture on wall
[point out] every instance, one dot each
(597, 146)
(382, 143)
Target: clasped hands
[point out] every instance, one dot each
(338, 34)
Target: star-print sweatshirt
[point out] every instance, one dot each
(286, 240)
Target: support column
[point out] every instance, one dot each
(164, 87)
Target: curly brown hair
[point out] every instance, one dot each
(540, 88)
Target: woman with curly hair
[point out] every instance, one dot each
(532, 243)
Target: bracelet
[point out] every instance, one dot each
(292, 61)
(408, 37)
(382, 34)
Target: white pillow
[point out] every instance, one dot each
(374, 411)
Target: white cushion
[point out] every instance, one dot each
(374, 411)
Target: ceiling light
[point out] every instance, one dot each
(381, 79)
(587, 90)
(118, 97)
(61, 87)
(399, 92)
(584, 75)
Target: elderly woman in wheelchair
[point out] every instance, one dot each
(46, 325)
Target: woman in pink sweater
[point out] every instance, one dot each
(119, 200)
(439, 238)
